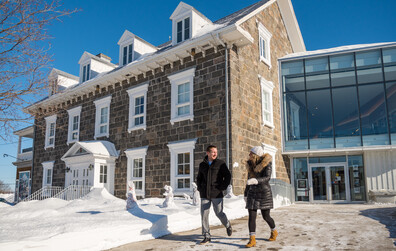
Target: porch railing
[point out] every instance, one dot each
(44, 193)
(73, 192)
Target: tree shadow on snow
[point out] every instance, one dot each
(385, 216)
(159, 222)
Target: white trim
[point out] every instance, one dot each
(271, 150)
(134, 93)
(72, 113)
(181, 19)
(267, 87)
(330, 152)
(48, 121)
(102, 103)
(47, 165)
(177, 79)
(132, 154)
(265, 36)
(175, 148)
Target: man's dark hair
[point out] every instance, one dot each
(210, 148)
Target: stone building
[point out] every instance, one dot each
(149, 118)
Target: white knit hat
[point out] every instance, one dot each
(258, 150)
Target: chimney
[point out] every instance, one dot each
(104, 57)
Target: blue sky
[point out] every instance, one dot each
(100, 24)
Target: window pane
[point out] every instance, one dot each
(373, 115)
(300, 167)
(187, 168)
(391, 98)
(370, 75)
(316, 65)
(295, 122)
(293, 77)
(74, 135)
(138, 185)
(180, 170)
(186, 28)
(346, 117)
(342, 78)
(390, 72)
(88, 71)
(320, 119)
(180, 183)
(103, 114)
(368, 58)
(183, 93)
(130, 50)
(186, 183)
(84, 73)
(103, 129)
(183, 110)
(389, 55)
(124, 56)
(342, 62)
(75, 122)
(317, 81)
(179, 31)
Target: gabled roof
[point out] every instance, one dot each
(96, 147)
(127, 35)
(87, 55)
(62, 73)
(183, 7)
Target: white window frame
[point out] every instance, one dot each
(102, 103)
(129, 46)
(182, 19)
(186, 146)
(103, 174)
(134, 93)
(267, 87)
(47, 166)
(176, 80)
(264, 43)
(85, 72)
(48, 121)
(73, 113)
(271, 150)
(132, 154)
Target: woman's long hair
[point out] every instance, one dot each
(254, 161)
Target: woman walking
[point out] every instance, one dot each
(258, 193)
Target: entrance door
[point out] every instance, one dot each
(329, 182)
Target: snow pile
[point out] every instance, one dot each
(99, 221)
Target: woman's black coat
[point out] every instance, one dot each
(260, 196)
(213, 180)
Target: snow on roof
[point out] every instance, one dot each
(96, 147)
(234, 17)
(334, 50)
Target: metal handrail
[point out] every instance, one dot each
(44, 193)
(73, 192)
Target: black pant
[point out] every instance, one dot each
(266, 216)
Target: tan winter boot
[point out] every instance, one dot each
(274, 234)
(252, 242)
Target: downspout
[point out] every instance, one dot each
(226, 100)
(33, 150)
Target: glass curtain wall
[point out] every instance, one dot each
(338, 101)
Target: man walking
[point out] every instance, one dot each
(213, 178)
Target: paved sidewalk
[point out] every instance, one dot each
(300, 226)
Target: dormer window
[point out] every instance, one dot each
(183, 29)
(127, 54)
(86, 72)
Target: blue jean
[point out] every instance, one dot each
(218, 209)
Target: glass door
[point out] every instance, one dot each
(337, 178)
(329, 182)
(319, 184)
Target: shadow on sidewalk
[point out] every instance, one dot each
(197, 238)
(385, 216)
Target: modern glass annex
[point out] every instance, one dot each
(340, 100)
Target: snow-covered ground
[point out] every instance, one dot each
(99, 221)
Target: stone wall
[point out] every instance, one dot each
(246, 117)
(208, 124)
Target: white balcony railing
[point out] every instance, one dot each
(25, 156)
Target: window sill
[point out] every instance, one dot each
(101, 135)
(266, 61)
(270, 125)
(137, 128)
(177, 119)
(71, 142)
(47, 147)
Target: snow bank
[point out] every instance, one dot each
(99, 221)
